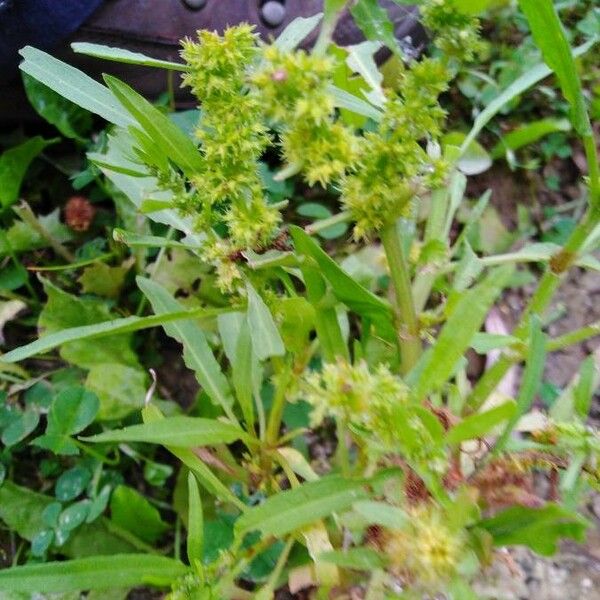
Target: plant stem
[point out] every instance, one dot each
(24, 211)
(574, 337)
(276, 413)
(407, 327)
(321, 224)
(538, 303)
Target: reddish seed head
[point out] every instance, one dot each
(79, 213)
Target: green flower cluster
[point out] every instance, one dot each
(190, 587)
(353, 393)
(294, 90)
(456, 34)
(228, 189)
(393, 167)
(427, 550)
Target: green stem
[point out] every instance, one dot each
(276, 413)
(538, 303)
(321, 224)
(408, 325)
(574, 337)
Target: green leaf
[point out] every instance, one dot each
(180, 431)
(345, 288)
(196, 351)
(100, 330)
(161, 130)
(74, 515)
(380, 513)
(124, 56)
(480, 424)
(375, 23)
(359, 559)
(195, 535)
(474, 159)
(71, 120)
(151, 414)
(14, 163)
(483, 342)
(103, 280)
(72, 483)
(528, 133)
(550, 37)
(72, 410)
(20, 427)
(132, 512)
(516, 88)
(22, 510)
(465, 320)
(538, 528)
(63, 310)
(266, 340)
(298, 507)
(94, 573)
(74, 85)
(361, 60)
(120, 388)
(296, 31)
(583, 391)
(348, 101)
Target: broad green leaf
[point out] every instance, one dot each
(63, 310)
(121, 389)
(465, 320)
(103, 280)
(124, 56)
(359, 559)
(74, 85)
(375, 23)
(71, 120)
(296, 31)
(161, 130)
(550, 37)
(539, 528)
(101, 330)
(195, 534)
(94, 573)
(132, 512)
(14, 163)
(528, 133)
(179, 431)
(71, 411)
(480, 424)
(301, 506)
(266, 339)
(483, 343)
(345, 288)
(520, 85)
(196, 352)
(20, 427)
(380, 513)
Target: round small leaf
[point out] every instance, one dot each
(41, 542)
(72, 483)
(51, 513)
(98, 504)
(73, 516)
(20, 427)
(72, 411)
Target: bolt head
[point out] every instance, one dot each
(195, 4)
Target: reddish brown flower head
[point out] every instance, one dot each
(79, 213)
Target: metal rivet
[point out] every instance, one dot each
(195, 4)
(273, 13)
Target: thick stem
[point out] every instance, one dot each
(278, 406)
(407, 327)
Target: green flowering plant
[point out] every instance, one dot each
(428, 474)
